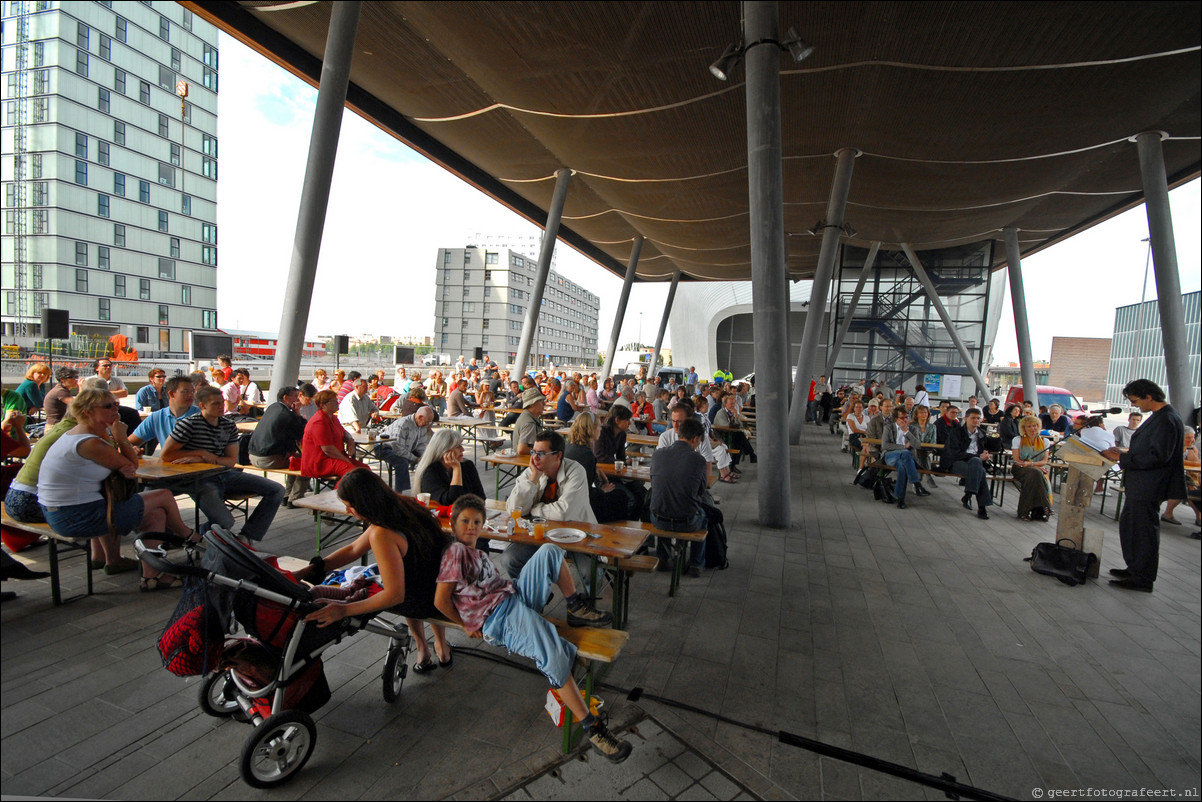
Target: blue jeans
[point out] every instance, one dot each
(907, 471)
(210, 498)
(517, 625)
(696, 548)
(399, 466)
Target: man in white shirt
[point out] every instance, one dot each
(1122, 434)
(357, 410)
(238, 395)
(921, 397)
(680, 413)
(104, 369)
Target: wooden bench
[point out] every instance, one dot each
(322, 482)
(680, 547)
(993, 478)
(54, 540)
(621, 570)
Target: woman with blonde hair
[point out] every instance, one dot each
(443, 472)
(609, 501)
(321, 379)
(33, 389)
(1030, 467)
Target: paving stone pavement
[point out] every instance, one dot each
(914, 636)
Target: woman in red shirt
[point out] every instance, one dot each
(324, 448)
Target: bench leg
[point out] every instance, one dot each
(680, 547)
(56, 592)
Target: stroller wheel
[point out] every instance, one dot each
(395, 670)
(217, 696)
(278, 749)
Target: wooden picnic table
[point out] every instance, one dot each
(152, 470)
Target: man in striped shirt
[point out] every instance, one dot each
(212, 437)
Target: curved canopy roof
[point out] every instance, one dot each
(970, 117)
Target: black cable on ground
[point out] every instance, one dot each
(944, 782)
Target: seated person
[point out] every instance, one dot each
(1056, 420)
(54, 405)
(33, 389)
(680, 487)
(212, 438)
(357, 411)
(277, 440)
(407, 543)
(529, 423)
(307, 408)
(347, 385)
(443, 472)
(992, 413)
(966, 454)
(239, 398)
(153, 396)
(899, 448)
(553, 488)
(946, 422)
(728, 416)
(103, 368)
(1008, 428)
(458, 403)
(569, 404)
(472, 594)
(1190, 455)
(1030, 470)
(1122, 434)
(407, 439)
(609, 501)
(327, 449)
(876, 426)
(21, 499)
(157, 426)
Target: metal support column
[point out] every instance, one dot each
(1022, 328)
(635, 250)
(845, 326)
(663, 324)
(921, 272)
(833, 226)
(563, 177)
(770, 323)
(1164, 264)
(315, 192)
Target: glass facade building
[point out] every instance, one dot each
(1137, 346)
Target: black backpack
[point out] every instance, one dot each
(715, 540)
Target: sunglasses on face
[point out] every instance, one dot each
(542, 454)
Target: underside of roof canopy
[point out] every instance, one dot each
(971, 117)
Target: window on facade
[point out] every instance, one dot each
(105, 309)
(38, 222)
(81, 281)
(144, 191)
(81, 254)
(165, 29)
(164, 315)
(119, 132)
(40, 196)
(467, 291)
(166, 268)
(210, 79)
(467, 257)
(144, 92)
(102, 205)
(209, 145)
(469, 306)
(102, 257)
(467, 276)
(209, 319)
(208, 232)
(102, 152)
(119, 235)
(176, 59)
(186, 295)
(163, 220)
(446, 258)
(81, 172)
(82, 35)
(166, 174)
(143, 334)
(487, 292)
(106, 47)
(210, 56)
(175, 154)
(41, 109)
(41, 82)
(102, 100)
(166, 78)
(81, 62)
(39, 54)
(485, 323)
(119, 184)
(491, 258)
(185, 205)
(144, 289)
(209, 168)
(164, 126)
(81, 145)
(187, 20)
(208, 255)
(175, 247)
(187, 112)
(122, 29)
(37, 277)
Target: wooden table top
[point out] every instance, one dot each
(153, 468)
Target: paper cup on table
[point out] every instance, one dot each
(620, 465)
(424, 498)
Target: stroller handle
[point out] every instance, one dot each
(156, 558)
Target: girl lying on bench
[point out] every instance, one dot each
(472, 593)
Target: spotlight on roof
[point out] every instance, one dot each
(848, 231)
(727, 61)
(798, 48)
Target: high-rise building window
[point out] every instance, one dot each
(166, 268)
(38, 222)
(209, 319)
(187, 19)
(166, 78)
(186, 112)
(210, 78)
(164, 316)
(81, 281)
(41, 109)
(165, 29)
(122, 29)
(81, 172)
(166, 174)
(37, 277)
(102, 257)
(175, 154)
(102, 100)
(81, 145)
(208, 232)
(81, 62)
(491, 258)
(102, 152)
(102, 205)
(209, 145)
(208, 255)
(144, 92)
(118, 129)
(144, 289)
(82, 35)
(209, 168)
(210, 56)
(119, 184)
(143, 334)
(105, 309)
(39, 54)
(81, 254)
(185, 295)
(185, 205)
(119, 80)
(175, 247)
(144, 191)
(119, 286)
(106, 47)
(163, 220)
(119, 235)
(176, 59)
(164, 126)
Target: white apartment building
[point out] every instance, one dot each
(109, 170)
(480, 302)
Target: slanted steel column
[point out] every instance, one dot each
(562, 177)
(1164, 264)
(1022, 328)
(982, 387)
(663, 323)
(635, 250)
(315, 193)
(835, 207)
(845, 326)
(769, 268)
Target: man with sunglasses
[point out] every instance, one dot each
(104, 370)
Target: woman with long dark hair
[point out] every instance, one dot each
(407, 543)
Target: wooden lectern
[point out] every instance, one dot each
(1085, 467)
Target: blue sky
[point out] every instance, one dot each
(391, 209)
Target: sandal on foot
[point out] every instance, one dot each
(424, 668)
(446, 663)
(730, 480)
(153, 583)
(121, 566)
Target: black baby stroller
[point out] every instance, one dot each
(271, 675)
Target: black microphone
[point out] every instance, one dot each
(1108, 411)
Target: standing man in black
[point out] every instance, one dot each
(1153, 471)
(965, 454)
(277, 437)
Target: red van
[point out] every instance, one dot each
(1049, 395)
